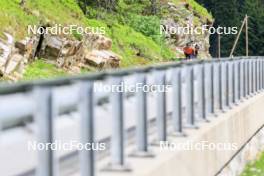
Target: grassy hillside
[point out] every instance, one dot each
(15, 18)
(134, 32)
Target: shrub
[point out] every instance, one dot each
(147, 25)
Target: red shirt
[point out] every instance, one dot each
(188, 50)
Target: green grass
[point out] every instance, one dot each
(197, 8)
(203, 13)
(40, 69)
(255, 168)
(128, 43)
(15, 19)
(135, 41)
(135, 48)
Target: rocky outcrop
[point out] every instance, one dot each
(72, 55)
(12, 60)
(101, 59)
(97, 42)
(51, 47)
(180, 16)
(94, 51)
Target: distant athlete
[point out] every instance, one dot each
(188, 51)
(196, 51)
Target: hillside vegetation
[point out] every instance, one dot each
(255, 168)
(131, 25)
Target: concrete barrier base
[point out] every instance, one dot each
(230, 130)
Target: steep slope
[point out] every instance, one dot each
(134, 32)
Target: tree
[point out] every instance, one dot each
(226, 14)
(231, 12)
(254, 9)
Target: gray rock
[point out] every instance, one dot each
(51, 47)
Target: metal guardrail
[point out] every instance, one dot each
(199, 89)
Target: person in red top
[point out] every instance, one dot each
(188, 51)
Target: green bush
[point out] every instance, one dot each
(135, 48)
(147, 25)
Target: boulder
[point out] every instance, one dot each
(72, 54)
(51, 47)
(6, 47)
(14, 64)
(22, 46)
(32, 46)
(70, 48)
(102, 59)
(96, 41)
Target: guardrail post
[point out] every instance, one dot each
(225, 85)
(212, 87)
(228, 77)
(177, 101)
(245, 78)
(237, 81)
(86, 110)
(234, 81)
(203, 92)
(189, 106)
(161, 106)
(117, 139)
(259, 73)
(192, 105)
(254, 75)
(249, 77)
(142, 119)
(44, 115)
(198, 92)
(221, 86)
(217, 86)
(204, 102)
(241, 79)
(238, 72)
(262, 73)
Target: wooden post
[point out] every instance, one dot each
(234, 46)
(246, 35)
